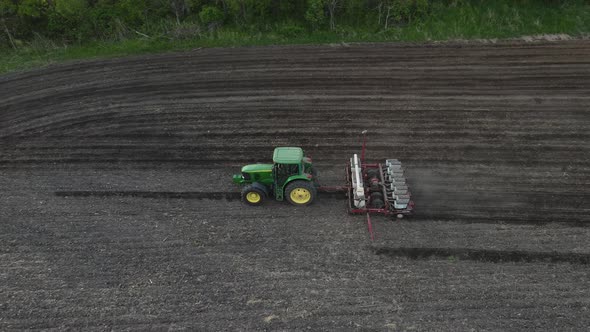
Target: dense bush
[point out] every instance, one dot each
(77, 21)
(291, 30)
(80, 21)
(211, 16)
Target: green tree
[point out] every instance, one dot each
(315, 14)
(32, 8)
(211, 16)
(7, 14)
(317, 10)
(401, 11)
(358, 12)
(22, 19)
(332, 6)
(288, 10)
(71, 8)
(133, 12)
(68, 20)
(7, 7)
(183, 8)
(248, 11)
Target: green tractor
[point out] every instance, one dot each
(290, 176)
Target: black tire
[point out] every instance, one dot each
(307, 190)
(377, 200)
(248, 194)
(373, 173)
(377, 204)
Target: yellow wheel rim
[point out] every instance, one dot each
(253, 197)
(300, 195)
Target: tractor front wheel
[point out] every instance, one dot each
(300, 192)
(252, 195)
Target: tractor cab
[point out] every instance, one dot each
(289, 164)
(289, 176)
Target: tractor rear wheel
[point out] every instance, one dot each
(252, 195)
(300, 192)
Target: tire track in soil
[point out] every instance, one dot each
(230, 196)
(507, 218)
(483, 255)
(152, 194)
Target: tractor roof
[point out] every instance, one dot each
(287, 155)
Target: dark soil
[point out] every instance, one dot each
(117, 209)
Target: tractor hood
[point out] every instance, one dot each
(249, 169)
(255, 168)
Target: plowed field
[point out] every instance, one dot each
(117, 209)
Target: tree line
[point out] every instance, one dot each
(79, 21)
